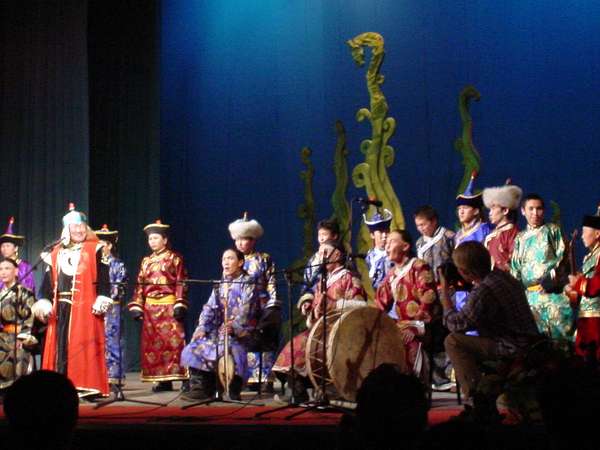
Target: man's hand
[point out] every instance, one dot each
(305, 308)
(407, 335)
(42, 310)
(444, 290)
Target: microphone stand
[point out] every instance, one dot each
(218, 397)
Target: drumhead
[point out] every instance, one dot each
(361, 340)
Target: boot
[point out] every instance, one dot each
(163, 386)
(202, 386)
(235, 388)
(299, 388)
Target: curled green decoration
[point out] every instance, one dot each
(556, 213)
(464, 144)
(341, 207)
(306, 212)
(372, 174)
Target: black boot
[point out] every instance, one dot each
(299, 388)
(202, 386)
(163, 386)
(235, 388)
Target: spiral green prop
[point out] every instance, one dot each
(464, 144)
(341, 207)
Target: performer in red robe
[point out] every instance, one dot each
(160, 302)
(75, 296)
(503, 203)
(408, 292)
(344, 290)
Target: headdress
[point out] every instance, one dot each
(592, 221)
(10, 236)
(73, 217)
(468, 197)
(105, 234)
(244, 228)
(507, 196)
(157, 227)
(379, 221)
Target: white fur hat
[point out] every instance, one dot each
(507, 196)
(244, 228)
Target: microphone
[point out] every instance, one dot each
(54, 244)
(366, 201)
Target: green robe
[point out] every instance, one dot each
(590, 306)
(537, 252)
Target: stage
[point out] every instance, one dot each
(126, 424)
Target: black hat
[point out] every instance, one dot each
(10, 236)
(592, 221)
(107, 235)
(468, 197)
(157, 227)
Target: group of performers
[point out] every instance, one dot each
(75, 322)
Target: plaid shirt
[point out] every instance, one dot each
(497, 308)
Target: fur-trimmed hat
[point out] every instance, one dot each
(507, 196)
(107, 235)
(73, 217)
(379, 221)
(10, 236)
(468, 197)
(157, 228)
(244, 228)
(592, 221)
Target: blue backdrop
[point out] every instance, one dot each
(246, 84)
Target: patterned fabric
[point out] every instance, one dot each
(478, 233)
(410, 291)
(588, 322)
(537, 252)
(260, 267)
(15, 324)
(437, 249)
(159, 290)
(500, 243)
(112, 321)
(499, 310)
(590, 306)
(341, 285)
(208, 342)
(378, 264)
(24, 280)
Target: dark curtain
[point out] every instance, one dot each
(44, 116)
(124, 130)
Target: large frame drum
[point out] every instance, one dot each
(358, 341)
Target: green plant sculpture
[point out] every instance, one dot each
(464, 144)
(341, 207)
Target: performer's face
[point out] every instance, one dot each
(380, 238)
(8, 249)
(533, 210)
(324, 235)
(497, 214)
(396, 247)
(232, 266)
(157, 242)
(467, 214)
(425, 226)
(8, 273)
(590, 236)
(245, 244)
(107, 248)
(78, 232)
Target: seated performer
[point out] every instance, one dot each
(232, 309)
(112, 317)
(538, 252)
(16, 322)
(503, 203)
(9, 247)
(409, 290)
(343, 290)
(496, 307)
(377, 258)
(75, 296)
(260, 267)
(585, 285)
(327, 230)
(160, 301)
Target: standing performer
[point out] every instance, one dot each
(344, 290)
(587, 342)
(261, 268)
(16, 322)
(468, 208)
(112, 317)
(160, 302)
(75, 296)
(503, 203)
(9, 247)
(409, 290)
(235, 295)
(377, 258)
(538, 251)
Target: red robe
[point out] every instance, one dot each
(500, 243)
(86, 363)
